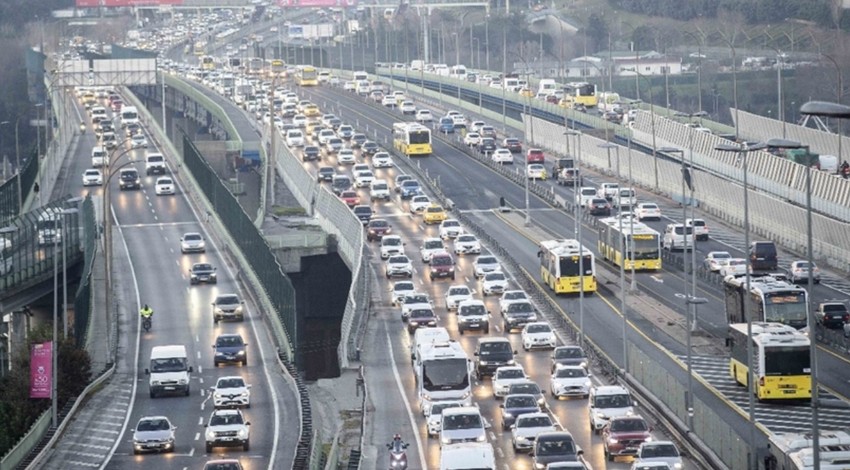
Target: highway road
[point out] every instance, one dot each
(150, 227)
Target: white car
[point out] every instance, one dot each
(485, 264)
(299, 120)
(192, 242)
(346, 157)
(231, 391)
(716, 260)
(294, 138)
(424, 116)
(511, 296)
(585, 195)
(389, 101)
(400, 290)
(570, 381)
(538, 335)
(350, 85)
(475, 126)
(382, 160)
(467, 244)
(379, 189)
(472, 139)
(419, 203)
(457, 294)
(431, 246)
(450, 228)
(735, 267)
(659, 451)
(153, 434)
(164, 185)
(527, 427)
(505, 376)
(407, 107)
(325, 135)
(364, 178)
(503, 156)
(647, 210)
(536, 171)
(435, 415)
(414, 301)
(494, 283)
(399, 265)
(391, 245)
(138, 141)
(92, 178)
(360, 167)
(227, 428)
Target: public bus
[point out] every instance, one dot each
(307, 75)
(412, 139)
(277, 68)
(782, 367)
(442, 373)
(641, 243)
(208, 62)
(771, 299)
(581, 93)
(567, 267)
(255, 65)
(199, 48)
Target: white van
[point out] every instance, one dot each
(674, 237)
(426, 336)
(828, 163)
(169, 370)
(359, 76)
(362, 87)
(99, 157)
(469, 455)
(510, 84)
(294, 138)
(129, 114)
(547, 85)
(98, 113)
(626, 198)
(155, 164)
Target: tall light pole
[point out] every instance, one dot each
(700, 40)
(839, 94)
(64, 232)
(2, 123)
(578, 217)
(734, 88)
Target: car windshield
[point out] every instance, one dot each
(451, 223)
(522, 401)
(226, 300)
(441, 261)
(539, 329)
(462, 421)
(568, 353)
(153, 425)
(482, 260)
(570, 373)
(437, 408)
(416, 299)
(227, 341)
(474, 309)
(555, 447)
(721, 255)
(510, 374)
(421, 313)
(494, 347)
(462, 290)
(378, 224)
(433, 244)
(203, 267)
(495, 277)
(466, 238)
(171, 364)
(520, 307)
(534, 422)
(612, 401)
(410, 184)
(659, 450)
(225, 419)
(515, 295)
(233, 382)
(192, 237)
(398, 260)
(530, 388)
(403, 286)
(435, 209)
(629, 425)
(390, 241)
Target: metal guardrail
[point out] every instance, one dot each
(21, 450)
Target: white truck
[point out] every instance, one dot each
(169, 370)
(49, 226)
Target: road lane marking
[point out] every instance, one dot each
(413, 423)
(159, 224)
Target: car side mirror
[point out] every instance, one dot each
(502, 405)
(515, 352)
(475, 353)
(191, 369)
(580, 452)
(147, 372)
(248, 386)
(204, 425)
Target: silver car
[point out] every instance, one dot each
(192, 242)
(153, 434)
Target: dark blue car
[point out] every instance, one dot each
(230, 348)
(409, 189)
(447, 125)
(516, 405)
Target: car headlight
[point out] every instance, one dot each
(465, 396)
(483, 363)
(510, 362)
(244, 394)
(154, 382)
(183, 381)
(648, 439)
(612, 440)
(210, 435)
(677, 466)
(427, 397)
(243, 433)
(508, 415)
(583, 364)
(240, 353)
(445, 440)
(481, 438)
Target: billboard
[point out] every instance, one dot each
(124, 3)
(41, 370)
(316, 3)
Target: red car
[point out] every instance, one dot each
(351, 198)
(513, 144)
(623, 435)
(534, 156)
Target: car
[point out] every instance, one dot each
(349, 85)
(461, 425)
(430, 246)
(414, 300)
(164, 186)
(424, 116)
(377, 96)
(360, 167)
(534, 155)
(363, 178)
(832, 314)
(202, 272)
(138, 141)
(526, 428)
(399, 265)
(570, 381)
(535, 171)
(467, 244)
(400, 179)
(609, 190)
(648, 211)
(192, 242)
(554, 447)
(345, 132)
(230, 348)
(325, 173)
(357, 140)
(502, 156)
(798, 272)
(515, 406)
(334, 145)
(494, 283)
(231, 391)
(531, 388)
(511, 296)
(128, 178)
(660, 451)
(379, 189)
(715, 260)
(606, 402)
(409, 188)
(487, 145)
(400, 289)
(505, 376)
(346, 157)
(391, 245)
(472, 139)
(734, 267)
(434, 214)
(92, 177)
(623, 435)
(492, 353)
(450, 228)
(363, 213)
(420, 318)
(538, 335)
(447, 125)
(377, 228)
(311, 152)
(407, 107)
(700, 228)
(382, 160)
(299, 120)
(650, 465)
(153, 434)
(472, 315)
(389, 101)
(441, 265)
(350, 198)
(227, 428)
(485, 264)
(598, 206)
(517, 314)
(568, 356)
(585, 194)
(457, 294)
(228, 307)
(475, 126)
(369, 148)
(419, 203)
(435, 415)
(513, 144)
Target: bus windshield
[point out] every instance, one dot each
(645, 248)
(445, 374)
(419, 137)
(785, 307)
(309, 74)
(570, 265)
(787, 361)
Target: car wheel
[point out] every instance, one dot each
(245, 362)
(460, 330)
(246, 446)
(608, 456)
(136, 452)
(209, 448)
(187, 392)
(153, 394)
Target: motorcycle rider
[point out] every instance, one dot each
(146, 313)
(845, 169)
(398, 455)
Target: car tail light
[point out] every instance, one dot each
(761, 382)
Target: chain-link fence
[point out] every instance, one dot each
(83, 296)
(275, 283)
(12, 194)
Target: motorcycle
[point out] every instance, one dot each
(146, 324)
(398, 455)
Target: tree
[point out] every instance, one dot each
(598, 33)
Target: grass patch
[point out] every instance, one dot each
(282, 211)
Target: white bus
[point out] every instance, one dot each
(443, 373)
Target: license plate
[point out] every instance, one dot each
(474, 325)
(788, 391)
(169, 388)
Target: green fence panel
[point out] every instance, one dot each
(83, 296)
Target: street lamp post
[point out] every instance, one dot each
(578, 216)
(65, 212)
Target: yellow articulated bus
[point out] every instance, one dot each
(582, 93)
(641, 243)
(782, 368)
(567, 267)
(412, 139)
(208, 62)
(307, 75)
